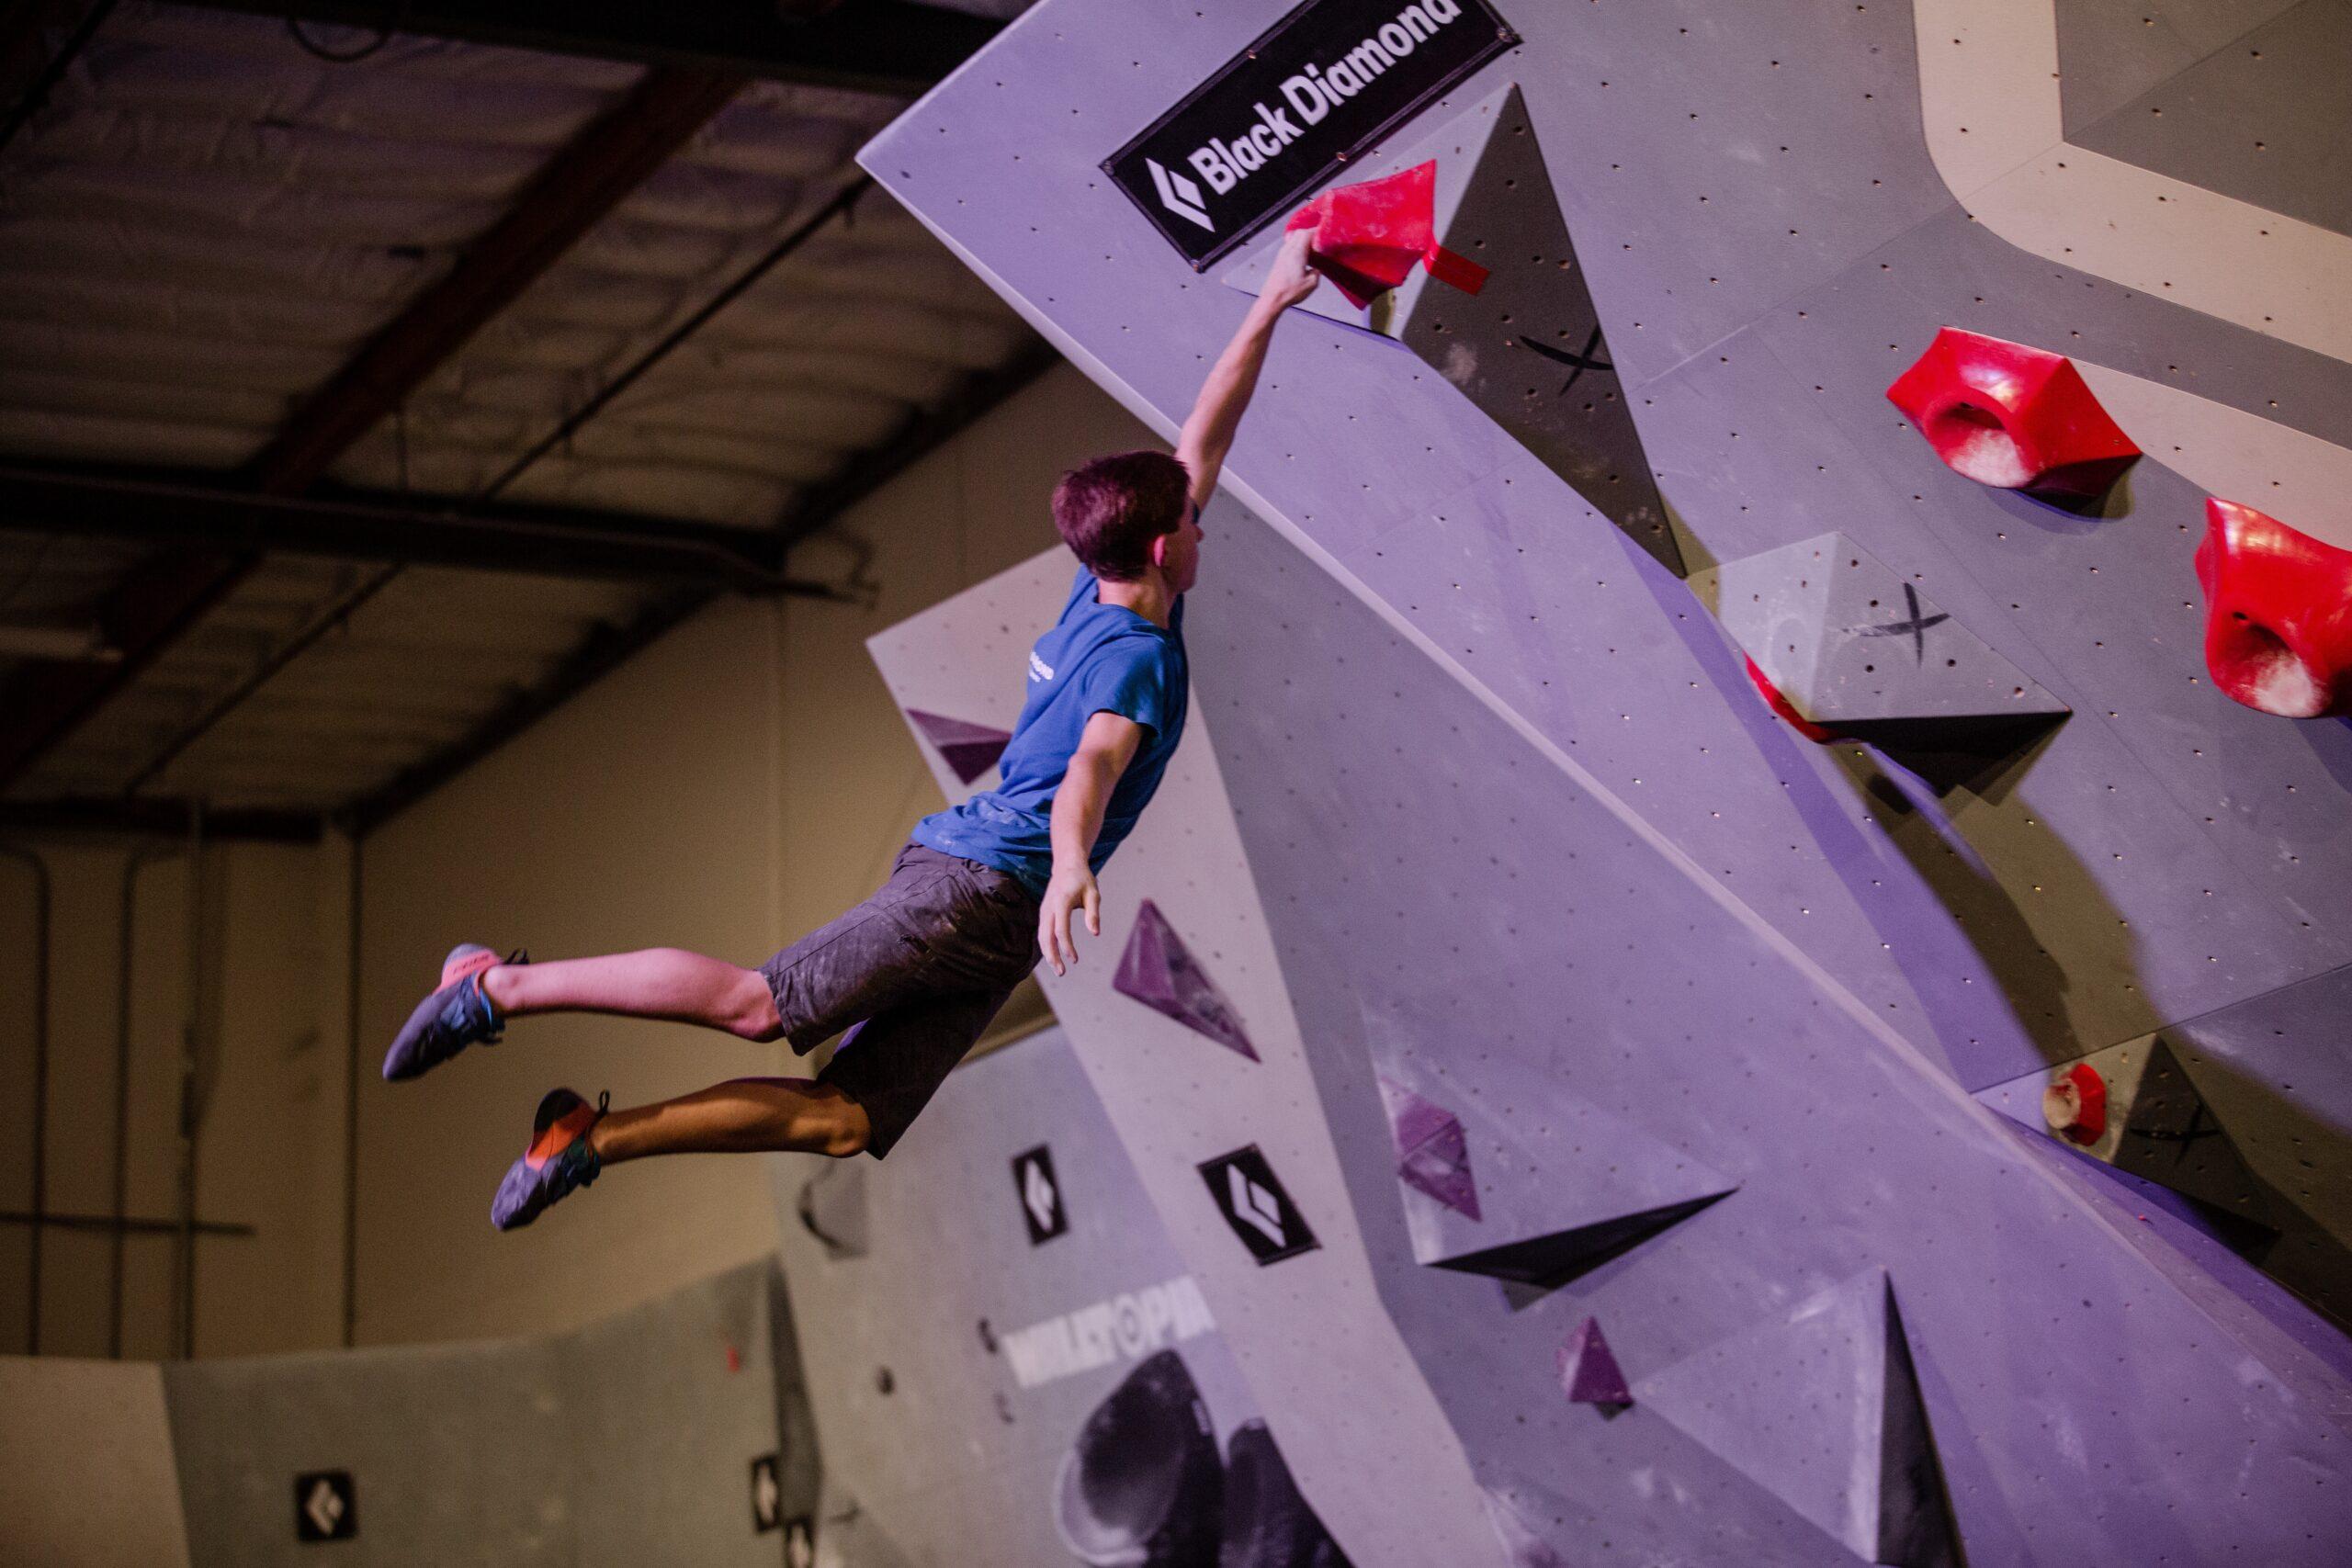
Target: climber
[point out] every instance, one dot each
(982, 890)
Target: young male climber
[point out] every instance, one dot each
(916, 972)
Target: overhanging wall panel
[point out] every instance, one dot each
(1997, 928)
(1363, 444)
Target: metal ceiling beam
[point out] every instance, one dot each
(162, 817)
(543, 541)
(164, 595)
(611, 647)
(889, 47)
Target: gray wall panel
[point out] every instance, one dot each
(952, 1458)
(2111, 51)
(459, 1453)
(629, 1442)
(666, 1406)
(2252, 119)
(2113, 603)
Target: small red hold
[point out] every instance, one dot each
(2278, 614)
(1787, 709)
(2075, 1105)
(2013, 417)
(1369, 234)
(734, 1357)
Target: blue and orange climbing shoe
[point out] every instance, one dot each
(560, 1158)
(452, 1018)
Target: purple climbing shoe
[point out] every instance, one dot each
(560, 1158)
(452, 1018)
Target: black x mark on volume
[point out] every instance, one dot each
(1578, 363)
(1915, 628)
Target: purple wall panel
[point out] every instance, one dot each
(1547, 949)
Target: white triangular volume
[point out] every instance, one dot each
(1821, 1407)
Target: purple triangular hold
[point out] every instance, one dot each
(1432, 1155)
(1588, 1373)
(970, 749)
(1157, 971)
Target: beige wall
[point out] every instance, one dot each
(742, 781)
(269, 1154)
(86, 1474)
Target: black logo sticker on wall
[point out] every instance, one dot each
(326, 1505)
(1277, 119)
(1041, 1195)
(1252, 1200)
(767, 1495)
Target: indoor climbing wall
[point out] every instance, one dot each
(1876, 889)
(1186, 1038)
(676, 1431)
(1010, 1362)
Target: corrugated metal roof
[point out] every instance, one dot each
(209, 222)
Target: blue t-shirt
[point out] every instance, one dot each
(1097, 659)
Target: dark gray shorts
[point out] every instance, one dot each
(914, 973)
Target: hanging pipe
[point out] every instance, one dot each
(137, 860)
(191, 1110)
(39, 1141)
(351, 1102)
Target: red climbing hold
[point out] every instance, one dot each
(2278, 614)
(2075, 1105)
(2013, 417)
(1368, 235)
(1787, 709)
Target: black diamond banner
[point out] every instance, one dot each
(1252, 1200)
(1279, 118)
(326, 1505)
(767, 1495)
(1041, 1195)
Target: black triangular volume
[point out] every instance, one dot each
(2172, 1137)
(1528, 348)
(1819, 1405)
(1547, 1262)
(1957, 753)
(1916, 1527)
